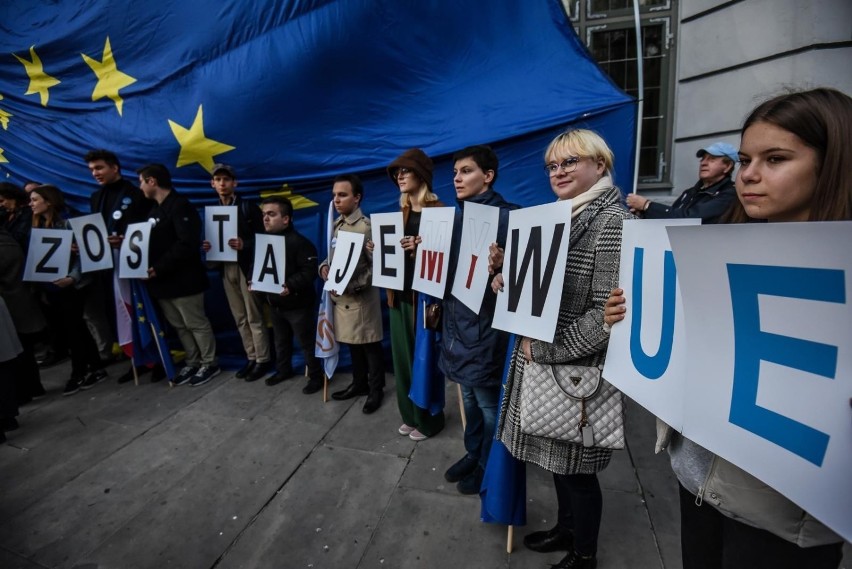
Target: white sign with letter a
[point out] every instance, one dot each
(533, 270)
(433, 254)
(388, 254)
(133, 257)
(91, 234)
(270, 260)
(347, 251)
(220, 225)
(479, 230)
(49, 255)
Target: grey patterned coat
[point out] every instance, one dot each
(591, 272)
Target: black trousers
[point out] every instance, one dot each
(68, 305)
(580, 506)
(301, 323)
(711, 540)
(368, 365)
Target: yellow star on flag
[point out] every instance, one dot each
(195, 146)
(142, 319)
(3, 158)
(40, 81)
(4, 117)
(110, 79)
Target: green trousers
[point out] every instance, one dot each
(402, 349)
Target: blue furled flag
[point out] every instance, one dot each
(504, 487)
(427, 381)
(149, 342)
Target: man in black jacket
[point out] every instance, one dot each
(472, 351)
(176, 275)
(708, 199)
(236, 275)
(294, 309)
(120, 203)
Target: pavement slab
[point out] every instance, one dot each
(242, 475)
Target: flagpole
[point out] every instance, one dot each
(510, 534)
(324, 388)
(640, 109)
(461, 407)
(159, 349)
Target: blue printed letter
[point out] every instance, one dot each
(751, 346)
(653, 367)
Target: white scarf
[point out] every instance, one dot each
(579, 203)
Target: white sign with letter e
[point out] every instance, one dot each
(388, 254)
(768, 312)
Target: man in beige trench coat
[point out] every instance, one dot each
(357, 309)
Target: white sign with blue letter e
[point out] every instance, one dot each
(768, 312)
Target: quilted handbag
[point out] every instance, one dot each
(573, 404)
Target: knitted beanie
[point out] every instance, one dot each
(416, 160)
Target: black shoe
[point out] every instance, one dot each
(259, 370)
(278, 378)
(8, 424)
(471, 483)
(576, 561)
(461, 468)
(351, 391)
(313, 385)
(73, 386)
(373, 402)
(556, 538)
(246, 370)
(93, 378)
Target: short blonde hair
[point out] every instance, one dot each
(580, 142)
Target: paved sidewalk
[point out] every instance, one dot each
(234, 474)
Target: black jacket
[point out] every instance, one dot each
(175, 249)
(123, 200)
(472, 351)
(300, 273)
(708, 204)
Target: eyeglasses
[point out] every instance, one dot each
(397, 172)
(568, 165)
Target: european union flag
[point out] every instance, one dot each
(149, 342)
(504, 487)
(427, 381)
(295, 91)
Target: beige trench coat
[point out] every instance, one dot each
(357, 312)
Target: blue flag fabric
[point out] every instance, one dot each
(149, 342)
(427, 381)
(504, 486)
(296, 92)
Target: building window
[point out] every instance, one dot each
(608, 30)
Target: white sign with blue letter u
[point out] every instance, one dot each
(768, 314)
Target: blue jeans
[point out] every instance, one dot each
(480, 410)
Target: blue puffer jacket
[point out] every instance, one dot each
(472, 352)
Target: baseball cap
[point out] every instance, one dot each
(719, 149)
(224, 168)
